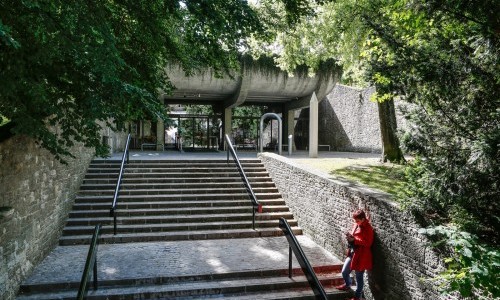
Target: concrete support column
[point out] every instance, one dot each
(290, 121)
(160, 135)
(228, 118)
(313, 126)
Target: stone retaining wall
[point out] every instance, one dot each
(39, 193)
(349, 121)
(323, 208)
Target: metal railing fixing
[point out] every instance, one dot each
(125, 158)
(256, 205)
(293, 245)
(90, 264)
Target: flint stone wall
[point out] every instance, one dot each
(323, 208)
(39, 192)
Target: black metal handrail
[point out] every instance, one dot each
(253, 198)
(112, 211)
(294, 246)
(90, 263)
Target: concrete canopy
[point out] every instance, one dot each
(254, 85)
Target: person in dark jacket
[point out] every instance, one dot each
(359, 256)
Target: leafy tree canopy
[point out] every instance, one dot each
(67, 67)
(443, 59)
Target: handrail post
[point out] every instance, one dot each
(290, 262)
(306, 267)
(91, 259)
(95, 272)
(114, 223)
(253, 219)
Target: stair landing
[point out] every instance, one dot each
(164, 264)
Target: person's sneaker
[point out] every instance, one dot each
(342, 287)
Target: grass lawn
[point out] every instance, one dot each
(371, 172)
(387, 178)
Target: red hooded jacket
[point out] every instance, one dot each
(363, 239)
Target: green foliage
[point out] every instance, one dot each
(449, 71)
(66, 68)
(3, 120)
(305, 46)
(473, 269)
(443, 58)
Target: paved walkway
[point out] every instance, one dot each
(176, 155)
(179, 258)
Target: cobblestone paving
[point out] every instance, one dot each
(166, 259)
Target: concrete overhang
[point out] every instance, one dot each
(254, 85)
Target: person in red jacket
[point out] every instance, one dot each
(359, 257)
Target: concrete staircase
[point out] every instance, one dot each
(184, 232)
(175, 200)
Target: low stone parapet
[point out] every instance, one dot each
(323, 207)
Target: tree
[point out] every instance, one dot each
(443, 58)
(336, 30)
(391, 150)
(65, 66)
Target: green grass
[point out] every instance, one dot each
(387, 178)
(371, 172)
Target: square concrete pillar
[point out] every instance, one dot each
(291, 127)
(160, 135)
(228, 120)
(313, 126)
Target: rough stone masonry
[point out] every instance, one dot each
(36, 195)
(323, 207)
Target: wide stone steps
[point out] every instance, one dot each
(173, 204)
(173, 163)
(176, 180)
(108, 174)
(164, 201)
(176, 236)
(135, 228)
(169, 197)
(179, 219)
(167, 204)
(269, 284)
(164, 185)
(177, 191)
(174, 211)
(175, 170)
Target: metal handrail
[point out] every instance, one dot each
(293, 245)
(112, 211)
(90, 263)
(253, 198)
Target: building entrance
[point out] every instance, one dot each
(195, 132)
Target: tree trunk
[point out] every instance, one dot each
(390, 141)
